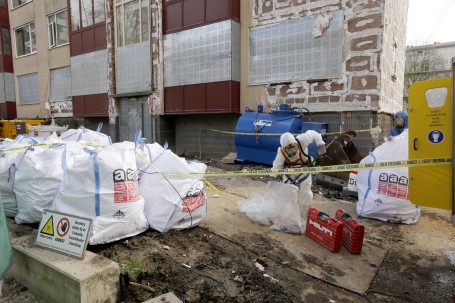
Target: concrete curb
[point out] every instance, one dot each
(58, 278)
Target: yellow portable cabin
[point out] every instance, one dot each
(431, 135)
(12, 128)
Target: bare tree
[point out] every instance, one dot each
(422, 63)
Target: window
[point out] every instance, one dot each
(2, 3)
(132, 21)
(60, 84)
(28, 89)
(17, 3)
(25, 40)
(85, 13)
(58, 33)
(6, 42)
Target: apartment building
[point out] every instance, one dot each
(176, 68)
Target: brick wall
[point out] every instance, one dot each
(361, 86)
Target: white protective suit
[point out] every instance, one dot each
(300, 159)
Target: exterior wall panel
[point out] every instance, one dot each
(132, 65)
(193, 12)
(194, 98)
(89, 73)
(204, 98)
(8, 110)
(173, 17)
(88, 40)
(95, 105)
(181, 15)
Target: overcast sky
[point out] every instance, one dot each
(430, 21)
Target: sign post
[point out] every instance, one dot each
(62, 233)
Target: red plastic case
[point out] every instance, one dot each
(352, 232)
(324, 229)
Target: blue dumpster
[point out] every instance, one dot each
(258, 134)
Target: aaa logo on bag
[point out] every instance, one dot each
(125, 186)
(189, 204)
(393, 186)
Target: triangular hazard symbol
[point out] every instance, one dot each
(48, 228)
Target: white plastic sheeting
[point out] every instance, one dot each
(278, 205)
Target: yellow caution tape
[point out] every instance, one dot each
(322, 169)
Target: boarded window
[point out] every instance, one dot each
(28, 89)
(288, 52)
(60, 84)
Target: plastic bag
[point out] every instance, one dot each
(279, 206)
(383, 193)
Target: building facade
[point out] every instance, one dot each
(175, 69)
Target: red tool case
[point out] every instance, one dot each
(352, 232)
(324, 229)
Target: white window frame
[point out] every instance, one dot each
(30, 33)
(122, 3)
(52, 30)
(13, 7)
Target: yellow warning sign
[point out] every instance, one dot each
(48, 228)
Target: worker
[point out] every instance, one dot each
(401, 123)
(293, 153)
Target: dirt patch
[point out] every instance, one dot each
(219, 270)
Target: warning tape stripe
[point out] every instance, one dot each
(374, 130)
(320, 169)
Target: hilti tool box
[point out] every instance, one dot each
(324, 229)
(352, 232)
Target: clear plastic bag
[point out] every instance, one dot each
(278, 206)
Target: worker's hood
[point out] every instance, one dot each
(286, 139)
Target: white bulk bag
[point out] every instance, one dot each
(101, 184)
(38, 177)
(145, 153)
(383, 193)
(9, 150)
(172, 202)
(87, 136)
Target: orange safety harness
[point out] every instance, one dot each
(297, 164)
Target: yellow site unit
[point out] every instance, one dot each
(12, 128)
(430, 108)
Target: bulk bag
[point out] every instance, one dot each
(383, 193)
(174, 201)
(9, 151)
(101, 184)
(39, 173)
